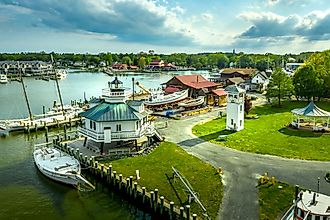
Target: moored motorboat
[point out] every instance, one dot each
(192, 103)
(58, 166)
(3, 79)
(158, 99)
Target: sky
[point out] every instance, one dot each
(165, 26)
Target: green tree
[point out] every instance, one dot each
(142, 62)
(262, 65)
(313, 79)
(280, 85)
(126, 60)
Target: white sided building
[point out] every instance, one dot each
(116, 119)
(235, 108)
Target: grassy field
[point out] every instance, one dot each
(274, 201)
(156, 172)
(269, 134)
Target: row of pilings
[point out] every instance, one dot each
(149, 201)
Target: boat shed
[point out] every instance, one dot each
(196, 84)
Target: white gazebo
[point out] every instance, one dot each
(310, 116)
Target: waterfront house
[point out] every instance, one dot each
(34, 68)
(261, 80)
(119, 66)
(244, 73)
(197, 84)
(116, 121)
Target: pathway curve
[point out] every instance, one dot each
(241, 169)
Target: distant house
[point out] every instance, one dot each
(290, 68)
(133, 67)
(157, 63)
(196, 84)
(244, 73)
(261, 79)
(234, 81)
(119, 66)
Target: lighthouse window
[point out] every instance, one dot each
(240, 123)
(235, 96)
(94, 125)
(118, 127)
(90, 124)
(240, 108)
(232, 121)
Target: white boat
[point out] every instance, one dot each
(59, 166)
(3, 79)
(192, 103)
(158, 99)
(59, 74)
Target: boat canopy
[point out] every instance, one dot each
(311, 110)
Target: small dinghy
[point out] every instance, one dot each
(59, 166)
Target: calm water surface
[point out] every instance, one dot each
(27, 194)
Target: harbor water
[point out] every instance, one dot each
(24, 192)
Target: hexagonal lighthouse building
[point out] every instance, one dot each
(235, 108)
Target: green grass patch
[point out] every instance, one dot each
(274, 200)
(269, 134)
(156, 172)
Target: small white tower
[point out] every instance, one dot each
(235, 108)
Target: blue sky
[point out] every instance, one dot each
(166, 26)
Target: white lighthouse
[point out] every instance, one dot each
(235, 108)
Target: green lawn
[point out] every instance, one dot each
(269, 134)
(274, 201)
(156, 172)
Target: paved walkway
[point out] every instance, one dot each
(241, 169)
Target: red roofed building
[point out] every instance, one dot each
(196, 84)
(217, 97)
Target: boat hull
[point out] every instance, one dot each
(57, 166)
(172, 98)
(69, 180)
(192, 103)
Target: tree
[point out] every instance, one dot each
(280, 85)
(223, 61)
(126, 60)
(245, 61)
(247, 105)
(142, 62)
(262, 65)
(313, 79)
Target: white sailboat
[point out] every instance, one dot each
(59, 166)
(3, 79)
(158, 99)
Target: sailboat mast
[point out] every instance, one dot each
(57, 85)
(25, 94)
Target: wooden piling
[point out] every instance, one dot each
(161, 205)
(171, 210)
(152, 196)
(120, 181)
(143, 195)
(135, 190)
(188, 212)
(114, 178)
(181, 213)
(194, 217)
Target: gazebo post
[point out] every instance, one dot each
(298, 122)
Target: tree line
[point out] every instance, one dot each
(199, 61)
(310, 81)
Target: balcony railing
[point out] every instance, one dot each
(120, 135)
(108, 93)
